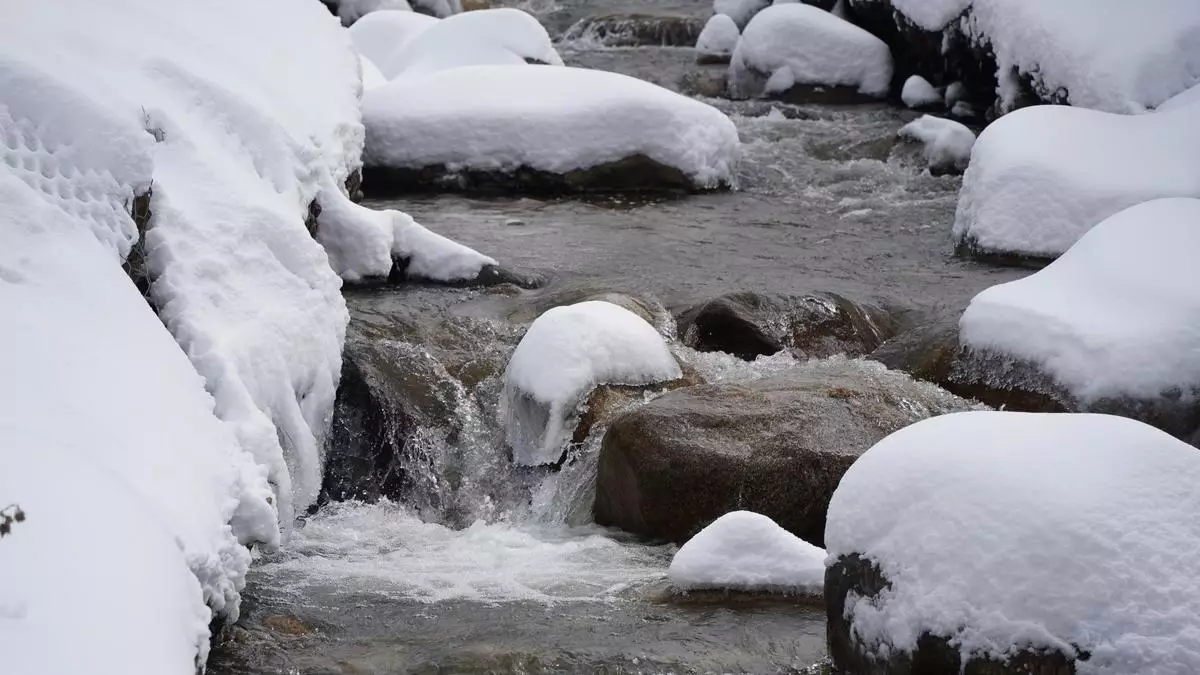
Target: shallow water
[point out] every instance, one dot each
(827, 201)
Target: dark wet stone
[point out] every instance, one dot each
(709, 82)
(637, 30)
(968, 247)
(710, 59)
(523, 308)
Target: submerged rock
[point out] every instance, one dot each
(637, 30)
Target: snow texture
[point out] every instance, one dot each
(947, 143)
(1042, 176)
(1000, 529)
(350, 11)
(746, 551)
(814, 47)
(502, 36)
(381, 37)
(918, 93)
(566, 352)
(741, 11)
(1117, 314)
(719, 37)
(500, 118)
(371, 76)
(931, 15)
(1189, 97)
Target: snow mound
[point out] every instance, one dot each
(1117, 314)
(947, 143)
(381, 37)
(1001, 529)
(1042, 176)
(502, 36)
(350, 11)
(741, 11)
(1189, 97)
(747, 551)
(801, 44)
(501, 118)
(566, 352)
(918, 93)
(371, 76)
(931, 15)
(719, 37)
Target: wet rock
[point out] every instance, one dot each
(706, 82)
(608, 400)
(523, 308)
(816, 325)
(776, 446)
(934, 655)
(637, 30)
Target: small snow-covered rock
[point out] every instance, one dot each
(350, 11)
(380, 37)
(955, 92)
(564, 128)
(567, 352)
(502, 36)
(747, 551)
(947, 143)
(963, 110)
(1068, 542)
(741, 11)
(918, 93)
(805, 45)
(718, 40)
(1042, 176)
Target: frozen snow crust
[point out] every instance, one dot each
(1005, 531)
(748, 551)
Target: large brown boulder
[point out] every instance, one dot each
(776, 446)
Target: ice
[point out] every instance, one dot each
(350, 11)
(1117, 314)
(947, 143)
(719, 37)
(567, 352)
(502, 36)
(741, 11)
(381, 36)
(814, 46)
(1042, 176)
(500, 118)
(918, 93)
(996, 529)
(747, 551)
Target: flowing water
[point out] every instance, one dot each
(489, 568)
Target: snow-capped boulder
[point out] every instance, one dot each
(556, 129)
(947, 144)
(381, 36)
(1042, 176)
(797, 45)
(918, 93)
(566, 353)
(502, 36)
(741, 11)
(439, 9)
(746, 551)
(718, 40)
(635, 30)
(776, 446)
(1014, 543)
(350, 11)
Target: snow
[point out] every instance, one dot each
(741, 11)
(1189, 97)
(566, 352)
(350, 11)
(1042, 176)
(947, 143)
(500, 118)
(747, 551)
(719, 37)
(502, 36)
(918, 93)
(381, 36)
(955, 92)
(371, 76)
(931, 15)
(1048, 530)
(1117, 314)
(814, 46)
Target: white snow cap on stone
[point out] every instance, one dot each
(1000, 529)
(747, 551)
(350, 11)
(814, 47)
(741, 11)
(1042, 176)
(502, 36)
(1117, 314)
(947, 143)
(931, 15)
(500, 118)
(719, 37)
(381, 36)
(918, 93)
(567, 352)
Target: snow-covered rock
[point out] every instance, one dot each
(502, 36)
(566, 123)
(956, 92)
(947, 143)
(718, 40)
(746, 551)
(350, 11)
(371, 76)
(566, 352)
(797, 44)
(918, 93)
(1003, 535)
(381, 37)
(1117, 315)
(741, 11)
(1040, 177)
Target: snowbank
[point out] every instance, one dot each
(350, 11)
(381, 37)
(1040, 177)
(747, 551)
(801, 44)
(1117, 315)
(1189, 97)
(741, 11)
(557, 120)
(503, 36)
(1001, 530)
(371, 76)
(567, 352)
(718, 39)
(947, 143)
(918, 93)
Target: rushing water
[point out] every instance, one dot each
(496, 569)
